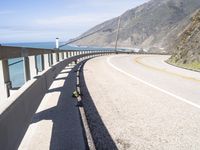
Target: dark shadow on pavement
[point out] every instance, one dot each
(67, 131)
(101, 136)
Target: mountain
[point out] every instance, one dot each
(152, 26)
(187, 48)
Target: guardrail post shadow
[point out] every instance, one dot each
(5, 83)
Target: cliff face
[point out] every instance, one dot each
(153, 25)
(187, 50)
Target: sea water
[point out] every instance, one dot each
(17, 70)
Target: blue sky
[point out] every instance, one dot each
(44, 20)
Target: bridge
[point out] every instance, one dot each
(97, 99)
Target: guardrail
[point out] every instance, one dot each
(48, 57)
(17, 110)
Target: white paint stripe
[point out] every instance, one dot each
(153, 86)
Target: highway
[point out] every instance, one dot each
(145, 103)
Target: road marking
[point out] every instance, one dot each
(151, 85)
(138, 60)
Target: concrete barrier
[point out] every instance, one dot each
(16, 112)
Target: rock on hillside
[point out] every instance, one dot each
(153, 25)
(187, 50)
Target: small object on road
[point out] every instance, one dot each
(75, 94)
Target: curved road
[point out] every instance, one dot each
(144, 102)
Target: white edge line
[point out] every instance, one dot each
(151, 85)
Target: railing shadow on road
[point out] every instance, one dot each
(65, 115)
(101, 136)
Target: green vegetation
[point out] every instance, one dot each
(191, 66)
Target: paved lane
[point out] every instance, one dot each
(144, 102)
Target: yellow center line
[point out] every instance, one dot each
(138, 60)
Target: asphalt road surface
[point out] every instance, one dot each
(144, 102)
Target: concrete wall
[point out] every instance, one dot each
(16, 112)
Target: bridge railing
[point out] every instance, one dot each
(16, 110)
(49, 57)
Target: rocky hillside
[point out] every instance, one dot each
(187, 50)
(153, 25)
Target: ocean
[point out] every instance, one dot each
(16, 70)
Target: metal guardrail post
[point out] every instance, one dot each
(67, 56)
(5, 83)
(42, 62)
(57, 57)
(27, 75)
(50, 59)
